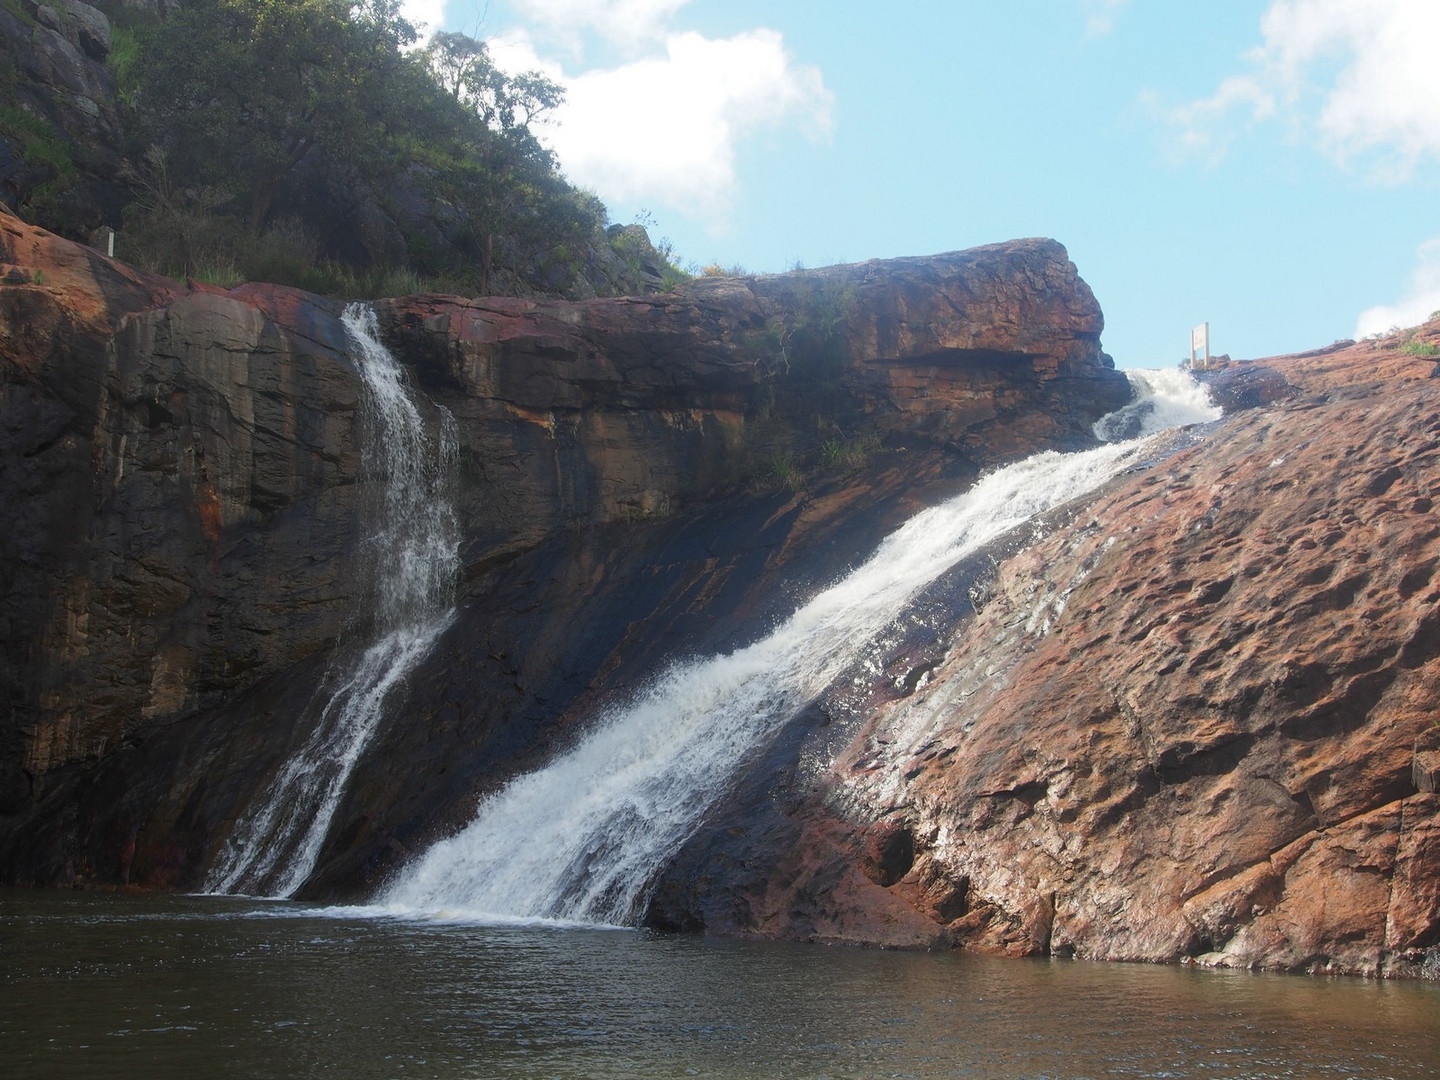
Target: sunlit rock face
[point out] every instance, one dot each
(619, 408)
(1198, 722)
(1194, 721)
(636, 478)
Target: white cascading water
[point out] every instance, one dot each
(1164, 399)
(580, 839)
(415, 554)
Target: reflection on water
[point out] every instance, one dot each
(97, 986)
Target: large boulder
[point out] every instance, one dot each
(84, 26)
(64, 162)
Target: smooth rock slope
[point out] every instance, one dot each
(1196, 723)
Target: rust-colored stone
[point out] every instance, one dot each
(182, 476)
(1198, 722)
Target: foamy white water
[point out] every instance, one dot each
(582, 838)
(415, 554)
(1164, 399)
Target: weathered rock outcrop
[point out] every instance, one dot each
(181, 471)
(617, 409)
(58, 77)
(1196, 723)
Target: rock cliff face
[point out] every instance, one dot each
(182, 474)
(1198, 722)
(1195, 722)
(619, 409)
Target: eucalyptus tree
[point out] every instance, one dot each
(508, 181)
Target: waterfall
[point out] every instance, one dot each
(581, 838)
(414, 552)
(1160, 400)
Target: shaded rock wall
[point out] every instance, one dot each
(179, 476)
(636, 478)
(56, 54)
(1196, 723)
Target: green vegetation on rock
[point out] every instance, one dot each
(1420, 348)
(308, 142)
(848, 454)
(40, 144)
(43, 148)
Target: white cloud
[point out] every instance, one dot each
(1100, 16)
(664, 129)
(1202, 130)
(1358, 76)
(514, 51)
(629, 23)
(1422, 298)
(427, 16)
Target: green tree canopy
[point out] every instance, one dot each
(239, 92)
(244, 97)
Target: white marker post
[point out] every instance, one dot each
(1200, 343)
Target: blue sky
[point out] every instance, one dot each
(1271, 166)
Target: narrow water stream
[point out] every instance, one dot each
(412, 559)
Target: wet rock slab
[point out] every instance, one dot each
(1198, 723)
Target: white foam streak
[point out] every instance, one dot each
(415, 550)
(582, 838)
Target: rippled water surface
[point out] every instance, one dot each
(100, 986)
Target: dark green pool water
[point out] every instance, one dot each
(116, 986)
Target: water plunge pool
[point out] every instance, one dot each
(102, 985)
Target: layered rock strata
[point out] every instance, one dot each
(636, 478)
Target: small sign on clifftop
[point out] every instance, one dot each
(1200, 343)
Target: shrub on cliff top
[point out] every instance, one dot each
(317, 109)
(239, 93)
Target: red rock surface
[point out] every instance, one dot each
(150, 427)
(1199, 723)
(186, 512)
(623, 408)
